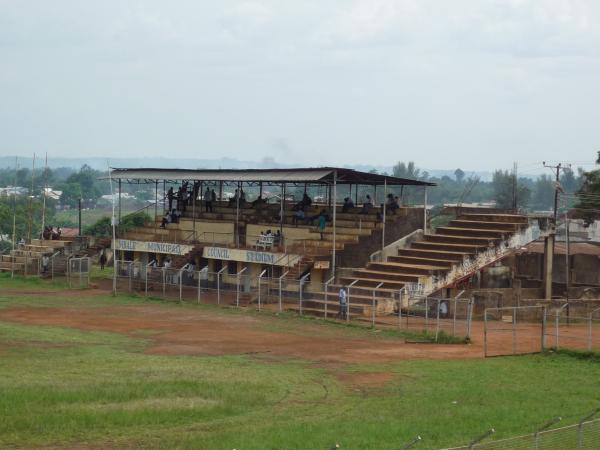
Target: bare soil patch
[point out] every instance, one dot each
(190, 332)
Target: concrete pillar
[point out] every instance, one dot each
(548, 258)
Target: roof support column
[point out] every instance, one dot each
(334, 222)
(237, 215)
(384, 214)
(425, 209)
(194, 198)
(119, 222)
(282, 210)
(155, 203)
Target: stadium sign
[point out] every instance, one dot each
(151, 247)
(250, 256)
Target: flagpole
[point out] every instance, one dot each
(114, 234)
(30, 206)
(45, 193)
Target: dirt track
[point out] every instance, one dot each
(187, 331)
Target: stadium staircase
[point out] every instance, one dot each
(26, 258)
(430, 258)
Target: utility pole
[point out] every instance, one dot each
(514, 187)
(557, 168)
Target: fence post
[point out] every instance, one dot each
(164, 281)
(580, 427)
(301, 290)
(199, 284)
(130, 273)
(478, 439)
(469, 316)
(400, 308)
(373, 311)
(556, 319)
(590, 332)
(514, 331)
(259, 280)
(536, 435)
(327, 293)
(485, 352)
(543, 328)
(426, 314)
(237, 293)
(437, 328)
(180, 274)
(219, 283)
(348, 300)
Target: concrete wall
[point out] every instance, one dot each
(406, 221)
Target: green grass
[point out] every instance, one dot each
(62, 387)
(28, 282)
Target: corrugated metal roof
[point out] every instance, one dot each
(275, 176)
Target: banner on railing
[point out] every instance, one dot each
(250, 256)
(151, 247)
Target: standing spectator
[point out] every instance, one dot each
(170, 196)
(322, 222)
(45, 263)
(343, 311)
(208, 201)
(102, 260)
(213, 197)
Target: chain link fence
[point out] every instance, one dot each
(584, 435)
(514, 330)
(367, 306)
(532, 329)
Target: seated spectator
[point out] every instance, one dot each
(392, 204)
(259, 202)
(166, 220)
(348, 205)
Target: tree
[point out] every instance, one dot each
(589, 194)
(83, 184)
(459, 174)
(503, 183)
(543, 193)
(402, 170)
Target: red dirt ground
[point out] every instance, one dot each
(186, 331)
(198, 332)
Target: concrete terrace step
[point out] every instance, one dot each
(372, 282)
(446, 264)
(508, 226)
(470, 249)
(511, 218)
(406, 268)
(390, 276)
(472, 232)
(469, 240)
(427, 252)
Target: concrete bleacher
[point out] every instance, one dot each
(25, 258)
(434, 255)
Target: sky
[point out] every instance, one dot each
(476, 84)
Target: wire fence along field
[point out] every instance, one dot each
(584, 435)
(364, 305)
(532, 329)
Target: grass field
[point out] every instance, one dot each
(63, 386)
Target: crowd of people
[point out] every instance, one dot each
(184, 196)
(50, 233)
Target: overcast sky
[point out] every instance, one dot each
(470, 83)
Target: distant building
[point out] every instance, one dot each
(13, 190)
